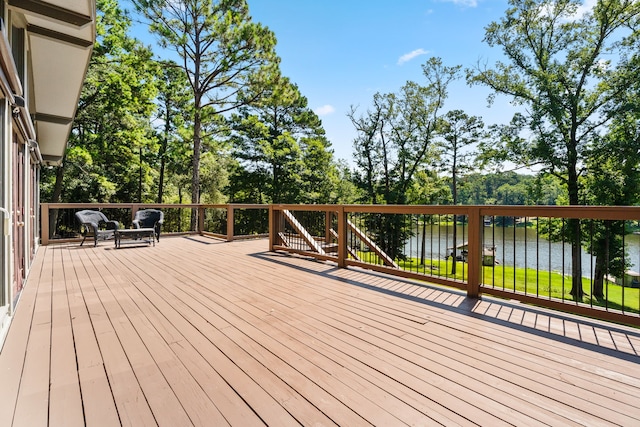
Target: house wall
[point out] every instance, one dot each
(19, 185)
(6, 252)
(6, 255)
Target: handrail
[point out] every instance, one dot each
(475, 233)
(229, 235)
(329, 218)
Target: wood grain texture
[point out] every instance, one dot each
(196, 331)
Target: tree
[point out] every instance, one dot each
(319, 173)
(222, 53)
(282, 149)
(394, 140)
(265, 140)
(173, 103)
(547, 190)
(613, 178)
(111, 126)
(459, 133)
(428, 189)
(568, 71)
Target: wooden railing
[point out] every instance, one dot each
(226, 221)
(517, 252)
(497, 249)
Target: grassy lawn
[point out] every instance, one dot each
(530, 281)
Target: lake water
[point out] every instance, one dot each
(518, 247)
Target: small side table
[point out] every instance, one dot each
(135, 234)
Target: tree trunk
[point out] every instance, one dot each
(55, 198)
(576, 259)
(574, 226)
(161, 179)
(180, 210)
(195, 178)
(602, 252)
(163, 156)
(598, 276)
(455, 217)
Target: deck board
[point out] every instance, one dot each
(200, 332)
(32, 405)
(65, 401)
(12, 356)
(98, 402)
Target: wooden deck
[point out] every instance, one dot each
(200, 332)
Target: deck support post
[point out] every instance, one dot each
(474, 257)
(44, 224)
(342, 236)
(230, 222)
(275, 221)
(200, 223)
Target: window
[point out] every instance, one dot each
(17, 46)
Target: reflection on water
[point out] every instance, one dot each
(519, 246)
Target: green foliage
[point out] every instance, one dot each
(571, 73)
(460, 133)
(395, 136)
(223, 54)
(429, 189)
(283, 155)
(395, 139)
(612, 178)
(173, 115)
(111, 127)
(510, 188)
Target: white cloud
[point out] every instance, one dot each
(409, 56)
(325, 110)
(585, 8)
(463, 3)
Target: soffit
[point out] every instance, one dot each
(60, 35)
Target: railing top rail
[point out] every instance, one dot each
(235, 206)
(590, 212)
(295, 207)
(117, 205)
(157, 205)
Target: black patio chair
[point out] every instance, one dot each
(149, 218)
(95, 224)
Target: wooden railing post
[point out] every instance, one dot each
(44, 223)
(230, 223)
(200, 224)
(474, 257)
(342, 237)
(273, 232)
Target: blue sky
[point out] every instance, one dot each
(341, 52)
